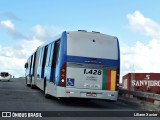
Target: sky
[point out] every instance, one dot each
(26, 24)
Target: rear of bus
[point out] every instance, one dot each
(92, 67)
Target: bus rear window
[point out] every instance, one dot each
(92, 45)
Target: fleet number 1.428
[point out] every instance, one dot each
(92, 72)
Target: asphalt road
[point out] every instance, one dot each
(16, 96)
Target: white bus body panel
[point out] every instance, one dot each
(81, 80)
(57, 91)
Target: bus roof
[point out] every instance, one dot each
(72, 32)
(59, 36)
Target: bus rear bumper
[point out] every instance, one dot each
(93, 94)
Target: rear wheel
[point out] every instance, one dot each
(47, 96)
(32, 85)
(27, 82)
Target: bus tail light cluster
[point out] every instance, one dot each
(117, 79)
(62, 82)
(110, 94)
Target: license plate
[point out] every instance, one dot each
(91, 94)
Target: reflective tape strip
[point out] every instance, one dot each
(108, 79)
(113, 80)
(104, 82)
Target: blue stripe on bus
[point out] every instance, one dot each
(62, 57)
(99, 61)
(118, 53)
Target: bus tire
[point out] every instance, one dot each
(32, 86)
(27, 83)
(47, 96)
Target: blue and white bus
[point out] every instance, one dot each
(76, 64)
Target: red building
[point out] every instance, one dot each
(145, 82)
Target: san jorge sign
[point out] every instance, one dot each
(146, 82)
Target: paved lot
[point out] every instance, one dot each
(16, 96)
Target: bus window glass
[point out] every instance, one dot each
(93, 46)
(45, 56)
(55, 54)
(50, 54)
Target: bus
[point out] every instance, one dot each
(77, 64)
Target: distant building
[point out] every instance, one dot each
(144, 82)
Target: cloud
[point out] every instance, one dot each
(9, 27)
(12, 65)
(21, 50)
(139, 23)
(10, 16)
(142, 57)
(44, 32)
(14, 57)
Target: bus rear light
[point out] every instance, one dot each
(62, 82)
(117, 79)
(110, 94)
(62, 75)
(63, 70)
(68, 92)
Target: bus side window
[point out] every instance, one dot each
(41, 56)
(48, 55)
(30, 63)
(33, 63)
(45, 56)
(51, 55)
(35, 54)
(55, 54)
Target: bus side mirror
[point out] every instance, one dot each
(26, 65)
